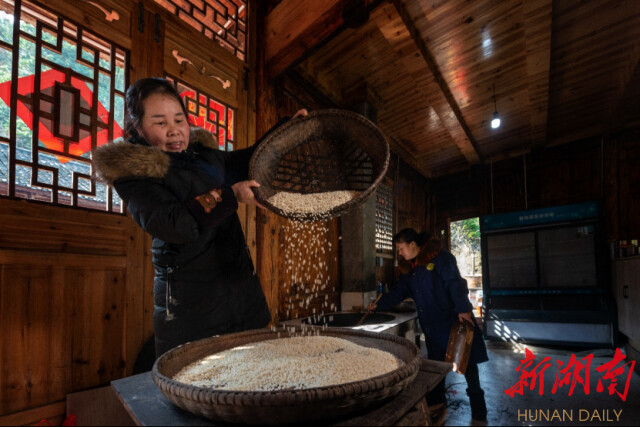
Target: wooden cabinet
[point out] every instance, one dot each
(626, 280)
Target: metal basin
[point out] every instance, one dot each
(346, 320)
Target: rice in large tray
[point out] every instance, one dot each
(294, 402)
(289, 363)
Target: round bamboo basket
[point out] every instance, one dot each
(328, 150)
(285, 406)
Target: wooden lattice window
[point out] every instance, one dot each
(384, 218)
(224, 21)
(62, 94)
(208, 113)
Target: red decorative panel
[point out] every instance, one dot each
(208, 113)
(62, 94)
(224, 21)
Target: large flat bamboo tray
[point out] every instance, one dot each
(287, 406)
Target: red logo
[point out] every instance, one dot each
(575, 371)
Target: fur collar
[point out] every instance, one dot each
(427, 253)
(121, 159)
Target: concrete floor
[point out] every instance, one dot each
(499, 374)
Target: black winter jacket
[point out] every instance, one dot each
(205, 283)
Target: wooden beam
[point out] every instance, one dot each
(307, 71)
(292, 28)
(294, 31)
(398, 28)
(93, 15)
(597, 129)
(44, 258)
(328, 99)
(405, 155)
(248, 212)
(267, 230)
(537, 29)
(53, 413)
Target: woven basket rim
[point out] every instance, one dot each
(299, 121)
(266, 398)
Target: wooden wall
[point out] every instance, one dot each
(604, 169)
(71, 301)
(622, 188)
(410, 197)
(410, 191)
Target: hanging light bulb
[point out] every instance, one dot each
(495, 121)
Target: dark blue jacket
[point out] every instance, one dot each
(440, 294)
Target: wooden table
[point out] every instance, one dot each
(147, 406)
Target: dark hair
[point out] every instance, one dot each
(408, 235)
(138, 92)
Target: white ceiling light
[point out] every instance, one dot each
(495, 121)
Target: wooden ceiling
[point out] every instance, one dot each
(563, 70)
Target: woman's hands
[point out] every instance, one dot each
(242, 191)
(210, 200)
(301, 113)
(465, 317)
(244, 194)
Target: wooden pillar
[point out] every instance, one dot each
(141, 66)
(358, 255)
(267, 230)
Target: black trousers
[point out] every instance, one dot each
(474, 391)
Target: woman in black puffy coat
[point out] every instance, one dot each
(184, 192)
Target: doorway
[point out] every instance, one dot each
(466, 247)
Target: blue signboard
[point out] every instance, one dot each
(533, 217)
